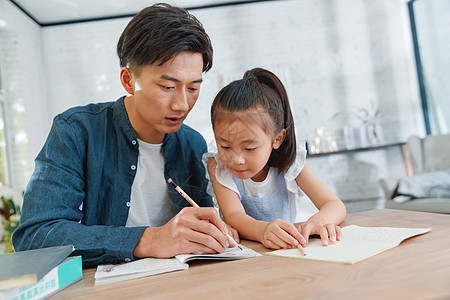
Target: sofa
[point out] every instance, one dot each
(429, 184)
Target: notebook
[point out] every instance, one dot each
(358, 243)
(151, 266)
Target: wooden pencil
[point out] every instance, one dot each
(301, 249)
(192, 202)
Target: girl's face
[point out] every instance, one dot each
(244, 147)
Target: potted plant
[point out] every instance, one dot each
(10, 214)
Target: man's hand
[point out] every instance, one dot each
(191, 230)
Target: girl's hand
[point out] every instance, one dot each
(326, 231)
(281, 234)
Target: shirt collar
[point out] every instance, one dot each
(121, 116)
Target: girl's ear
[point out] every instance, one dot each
(279, 139)
(126, 80)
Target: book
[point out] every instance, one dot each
(28, 267)
(60, 277)
(358, 243)
(239, 252)
(111, 273)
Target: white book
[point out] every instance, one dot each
(151, 266)
(358, 243)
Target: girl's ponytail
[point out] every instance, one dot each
(284, 156)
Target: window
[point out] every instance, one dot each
(4, 162)
(430, 26)
(14, 164)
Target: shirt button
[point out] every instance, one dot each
(133, 167)
(133, 142)
(127, 259)
(128, 204)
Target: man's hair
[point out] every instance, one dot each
(160, 32)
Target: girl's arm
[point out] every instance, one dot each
(276, 235)
(331, 209)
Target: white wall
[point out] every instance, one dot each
(81, 62)
(336, 58)
(333, 56)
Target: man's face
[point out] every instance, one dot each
(164, 95)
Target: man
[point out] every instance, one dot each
(100, 180)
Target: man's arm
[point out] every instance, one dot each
(52, 210)
(56, 212)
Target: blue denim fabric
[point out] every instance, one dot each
(80, 190)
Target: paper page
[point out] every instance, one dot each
(357, 243)
(387, 234)
(138, 266)
(228, 254)
(349, 252)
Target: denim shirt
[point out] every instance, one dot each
(80, 190)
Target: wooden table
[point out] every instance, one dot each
(419, 268)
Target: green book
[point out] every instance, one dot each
(60, 277)
(28, 267)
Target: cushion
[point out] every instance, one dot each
(426, 185)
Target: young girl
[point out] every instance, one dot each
(259, 171)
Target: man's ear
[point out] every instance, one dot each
(279, 139)
(126, 80)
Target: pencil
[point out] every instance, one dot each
(182, 193)
(192, 202)
(301, 249)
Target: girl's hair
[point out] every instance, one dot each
(261, 90)
(160, 32)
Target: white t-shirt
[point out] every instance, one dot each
(260, 189)
(151, 203)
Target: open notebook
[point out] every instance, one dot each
(151, 266)
(358, 243)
